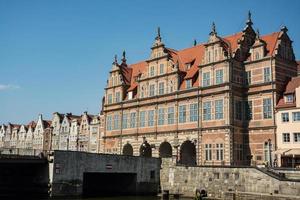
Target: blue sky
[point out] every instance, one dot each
(55, 55)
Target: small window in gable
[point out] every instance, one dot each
(188, 83)
(152, 71)
(289, 98)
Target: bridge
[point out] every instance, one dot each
(72, 173)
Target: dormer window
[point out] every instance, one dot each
(188, 66)
(188, 83)
(289, 98)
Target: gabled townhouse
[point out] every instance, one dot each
(94, 134)
(14, 136)
(74, 134)
(84, 132)
(288, 125)
(22, 137)
(40, 134)
(29, 135)
(65, 130)
(2, 135)
(56, 123)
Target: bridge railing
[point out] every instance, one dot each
(24, 152)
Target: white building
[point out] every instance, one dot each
(288, 126)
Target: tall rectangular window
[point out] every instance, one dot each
(161, 116)
(182, 113)
(286, 137)
(219, 109)
(118, 97)
(116, 122)
(188, 83)
(142, 118)
(248, 78)
(193, 112)
(109, 98)
(219, 76)
(208, 152)
(151, 118)
(219, 152)
(161, 68)
(267, 74)
(238, 110)
(207, 110)
(132, 119)
(206, 79)
(152, 71)
(248, 110)
(109, 123)
(161, 88)
(296, 116)
(285, 117)
(267, 108)
(171, 115)
(152, 90)
(296, 137)
(124, 120)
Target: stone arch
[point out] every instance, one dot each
(188, 153)
(165, 150)
(145, 150)
(128, 150)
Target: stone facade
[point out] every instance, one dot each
(210, 104)
(223, 182)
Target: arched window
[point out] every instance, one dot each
(165, 150)
(127, 150)
(145, 150)
(188, 153)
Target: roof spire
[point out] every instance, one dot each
(195, 42)
(257, 34)
(158, 34)
(213, 29)
(115, 60)
(284, 29)
(124, 57)
(249, 20)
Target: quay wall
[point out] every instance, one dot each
(67, 171)
(225, 182)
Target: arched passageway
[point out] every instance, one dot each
(188, 153)
(145, 150)
(165, 150)
(127, 150)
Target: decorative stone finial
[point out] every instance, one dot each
(249, 20)
(158, 34)
(213, 29)
(257, 34)
(115, 60)
(284, 29)
(124, 57)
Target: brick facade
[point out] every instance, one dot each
(209, 104)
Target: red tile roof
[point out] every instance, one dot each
(271, 41)
(47, 123)
(194, 56)
(290, 88)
